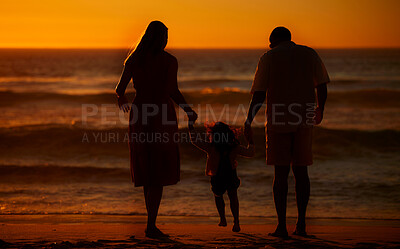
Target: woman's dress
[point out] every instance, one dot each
(153, 129)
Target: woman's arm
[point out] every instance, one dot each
(126, 77)
(176, 94)
(178, 98)
(197, 141)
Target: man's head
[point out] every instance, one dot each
(278, 35)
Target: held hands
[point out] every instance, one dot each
(319, 115)
(191, 127)
(192, 117)
(123, 104)
(248, 132)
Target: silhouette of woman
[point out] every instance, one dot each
(154, 152)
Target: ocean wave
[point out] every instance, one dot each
(206, 80)
(73, 142)
(206, 95)
(48, 174)
(120, 216)
(82, 85)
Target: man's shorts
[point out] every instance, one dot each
(290, 147)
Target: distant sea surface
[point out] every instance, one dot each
(62, 144)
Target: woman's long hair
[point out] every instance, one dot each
(152, 42)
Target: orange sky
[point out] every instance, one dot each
(199, 23)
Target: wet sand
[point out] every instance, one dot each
(93, 231)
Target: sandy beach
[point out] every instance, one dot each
(183, 115)
(96, 231)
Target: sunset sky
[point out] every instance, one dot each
(198, 24)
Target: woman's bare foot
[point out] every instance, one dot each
(236, 227)
(154, 233)
(280, 232)
(222, 222)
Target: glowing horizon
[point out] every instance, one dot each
(192, 25)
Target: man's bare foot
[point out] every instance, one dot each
(236, 227)
(280, 232)
(222, 223)
(155, 233)
(300, 230)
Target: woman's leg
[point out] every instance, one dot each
(234, 203)
(153, 195)
(219, 202)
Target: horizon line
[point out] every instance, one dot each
(186, 48)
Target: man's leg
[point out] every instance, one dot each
(302, 196)
(280, 189)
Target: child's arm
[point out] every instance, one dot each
(248, 151)
(197, 141)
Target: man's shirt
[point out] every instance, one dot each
(289, 74)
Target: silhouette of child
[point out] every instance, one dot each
(222, 149)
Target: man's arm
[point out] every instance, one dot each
(322, 94)
(259, 90)
(255, 105)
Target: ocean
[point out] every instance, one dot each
(63, 149)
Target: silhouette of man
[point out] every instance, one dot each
(287, 76)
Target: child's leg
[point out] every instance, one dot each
(234, 203)
(219, 202)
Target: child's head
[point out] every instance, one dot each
(222, 136)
